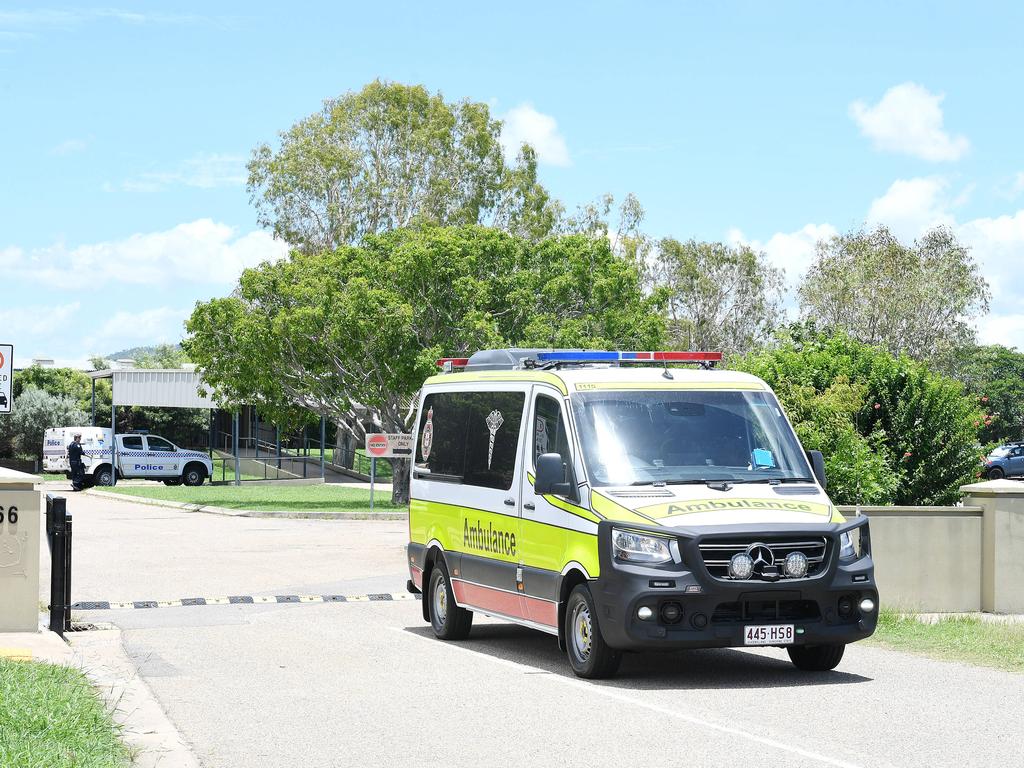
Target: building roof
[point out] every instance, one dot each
(163, 387)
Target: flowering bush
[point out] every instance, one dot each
(892, 431)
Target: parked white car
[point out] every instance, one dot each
(148, 457)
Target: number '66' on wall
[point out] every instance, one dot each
(11, 516)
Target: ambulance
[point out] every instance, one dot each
(623, 503)
(139, 455)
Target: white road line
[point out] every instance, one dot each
(625, 699)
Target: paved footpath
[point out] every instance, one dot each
(364, 683)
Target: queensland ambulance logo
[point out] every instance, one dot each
(427, 438)
(494, 420)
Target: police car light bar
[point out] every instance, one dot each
(629, 357)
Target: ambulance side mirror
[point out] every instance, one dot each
(551, 476)
(818, 466)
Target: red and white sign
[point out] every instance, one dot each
(385, 445)
(6, 373)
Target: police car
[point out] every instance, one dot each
(620, 504)
(143, 456)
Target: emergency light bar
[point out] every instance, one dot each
(446, 364)
(629, 357)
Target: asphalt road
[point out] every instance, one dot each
(366, 684)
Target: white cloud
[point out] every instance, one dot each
(201, 251)
(524, 124)
(69, 147)
(204, 171)
(911, 206)
(39, 319)
(790, 251)
(161, 325)
(908, 120)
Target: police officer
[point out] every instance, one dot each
(77, 465)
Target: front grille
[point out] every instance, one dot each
(717, 554)
(766, 610)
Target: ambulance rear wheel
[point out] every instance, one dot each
(450, 622)
(589, 655)
(816, 658)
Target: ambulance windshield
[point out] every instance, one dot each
(672, 436)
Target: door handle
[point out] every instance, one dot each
(510, 502)
(529, 505)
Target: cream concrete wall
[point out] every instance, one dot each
(1002, 586)
(19, 552)
(927, 558)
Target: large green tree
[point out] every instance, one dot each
(387, 156)
(352, 333)
(720, 297)
(33, 413)
(995, 376)
(893, 432)
(917, 299)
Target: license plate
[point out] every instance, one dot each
(769, 634)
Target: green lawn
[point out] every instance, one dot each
(291, 498)
(51, 716)
(957, 638)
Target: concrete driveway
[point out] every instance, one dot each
(366, 684)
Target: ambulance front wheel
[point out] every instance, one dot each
(450, 622)
(589, 655)
(816, 658)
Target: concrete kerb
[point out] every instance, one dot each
(285, 514)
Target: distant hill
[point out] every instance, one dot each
(134, 352)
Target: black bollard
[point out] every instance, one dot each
(58, 538)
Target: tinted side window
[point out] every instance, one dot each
(548, 431)
(159, 444)
(132, 443)
(471, 437)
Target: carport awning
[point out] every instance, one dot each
(159, 388)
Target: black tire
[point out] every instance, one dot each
(589, 655)
(450, 622)
(816, 658)
(174, 481)
(194, 474)
(103, 476)
(996, 473)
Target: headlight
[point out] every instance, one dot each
(631, 547)
(851, 547)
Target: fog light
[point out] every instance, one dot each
(796, 565)
(741, 566)
(867, 605)
(671, 613)
(644, 613)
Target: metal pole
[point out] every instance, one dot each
(56, 515)
(277, 443)
(213, 431)
(373, 475)
(323, 439)
(93, 402)
(67, 574)
(113, 436)
(234, 449)
(256, 430)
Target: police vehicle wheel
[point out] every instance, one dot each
(996, 473)
(175, 481)
(450, 622)
(103, 477)
(193, 476)
(816, 658)
(589, 655)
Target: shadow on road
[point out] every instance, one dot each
(717, 668)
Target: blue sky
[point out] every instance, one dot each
(125, 131)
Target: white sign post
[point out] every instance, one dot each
(6, 376)
(386, 445)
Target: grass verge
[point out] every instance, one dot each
(51, 716)
(287, 498)
(954, 638)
